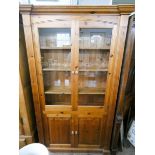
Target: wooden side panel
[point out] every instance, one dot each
(125, 95)
(129, 51)
(114, 78)
(27, 118)
(60, 130)
(32, 68)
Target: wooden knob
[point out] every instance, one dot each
(76, 72)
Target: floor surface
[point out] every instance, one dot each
(126, 151)
(76, 154)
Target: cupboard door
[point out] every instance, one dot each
(89, 131)
(60, 130)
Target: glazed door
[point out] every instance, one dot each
(55, 55)
(94, 51)
(99, 44)
(53, 44)
(54, 48)
(95, 40)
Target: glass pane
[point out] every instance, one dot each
(93, 65)
(55, 59)
(55, 38)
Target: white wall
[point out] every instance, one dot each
(67, 2)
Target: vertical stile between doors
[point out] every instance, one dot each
(74, 63)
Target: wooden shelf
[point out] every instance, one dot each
(81, 91)
(93, 70)
(80, 70)
(56, 69)
(58, 91)
(55, 48)
(91, 91)
(69, 48)
(105, 49)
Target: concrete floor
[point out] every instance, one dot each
(127, 151)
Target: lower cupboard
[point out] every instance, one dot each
(72, 130)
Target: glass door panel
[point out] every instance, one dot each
(55, 47)
(93, 65)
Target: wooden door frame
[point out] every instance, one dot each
(114, 67)
(111, 22)
(35, 33)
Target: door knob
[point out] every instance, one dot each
(76, 72)
(76, 132)
(72, 132)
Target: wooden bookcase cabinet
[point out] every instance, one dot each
(75, 56)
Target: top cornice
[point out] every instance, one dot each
(106, 9)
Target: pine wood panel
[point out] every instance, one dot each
(26, 109)
(126, 88)
(114, 81)
(89, 131)
(74, 63)
(32, 68)
(60, 129)
(106, 9)
(89, 21)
